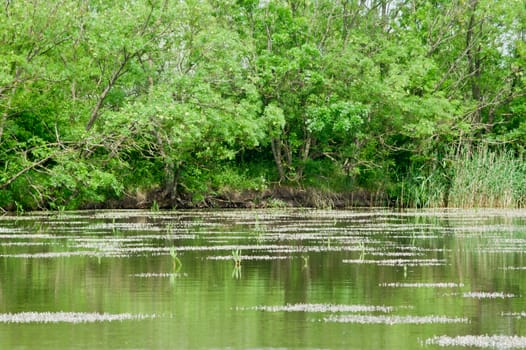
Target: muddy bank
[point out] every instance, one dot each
(275, 197)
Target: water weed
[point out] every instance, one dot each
(236, 272)
(175, 260)
(479, 341)
(68, 317)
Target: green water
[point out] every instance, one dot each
(306, 280)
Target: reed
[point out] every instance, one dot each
(175, 260)
(472, 177)
(236, 255)
(236, 272)
(486, 178)
(424, 189)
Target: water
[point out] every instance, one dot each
(263, 279)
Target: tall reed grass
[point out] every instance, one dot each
(473, 177)
(421, 190)
(486, 178)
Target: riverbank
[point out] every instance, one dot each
(276, 197)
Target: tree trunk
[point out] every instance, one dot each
(277, 153)
(305, 153)
(474, 60)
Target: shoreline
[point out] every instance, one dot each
(277, 197)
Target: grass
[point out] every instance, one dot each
(236, 272)
(236, 255)
(485, 178)
(175, 260)
(472, 177)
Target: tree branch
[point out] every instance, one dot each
(114, 77)
(25, 170)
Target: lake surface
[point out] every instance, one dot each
(263, 279)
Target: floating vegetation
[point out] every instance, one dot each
(25, 244)
(155, 275)
(8, 230)
(27, 236)
(229, 247)
(398, 262)
(422, 285)
(488, 295)
(166, 236)
(321, 308)
(48, 255)
(514, 268)
(248, 257)
(393, 320)
(480, 341)
(68, 317)
(397, 254)
(304, 250)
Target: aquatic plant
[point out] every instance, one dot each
(487, 178)
(479, 341)
(154, 275)
(236, 255)
(397, 262)
(175, 259)
(362, 250)
(249, 257)
(170, 227)
(488, 295)
(305, 259)
(68, 317)
(236, 272)
(49, 255)
(393, 319)
(257, 225)
(333, 308)
(380, 240)
(473, 177)
(514, 268)
(19, 208)
(422, 285)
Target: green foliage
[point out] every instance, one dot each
(193, 98)
(229, 178)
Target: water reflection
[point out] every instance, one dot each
(265, 279)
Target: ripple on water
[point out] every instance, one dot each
(68, 317)
(480, 341)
